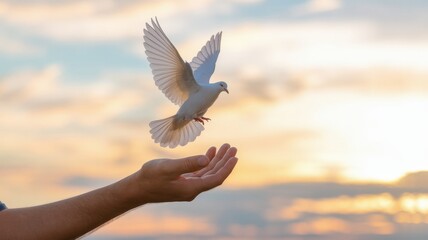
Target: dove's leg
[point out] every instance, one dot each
(202, 119)
(197, 119)
(206, 119)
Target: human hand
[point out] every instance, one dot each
(166, 180)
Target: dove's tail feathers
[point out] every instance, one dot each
(164, 132)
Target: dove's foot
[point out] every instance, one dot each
(201, 120)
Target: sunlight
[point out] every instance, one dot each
(370, 138)
(414, 203)
(389, 139)
(407, 208)
(373, 224)
(361, 204)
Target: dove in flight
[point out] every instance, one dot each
(185, 84)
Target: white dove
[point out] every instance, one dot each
(186, 85)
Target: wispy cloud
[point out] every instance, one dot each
(317, 6)
(17, 47)
(45, 94)
(23, 86)
(100, 20)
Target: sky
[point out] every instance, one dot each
(326, 96)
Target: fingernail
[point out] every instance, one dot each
(202, 161)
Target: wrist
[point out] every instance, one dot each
(131, 191)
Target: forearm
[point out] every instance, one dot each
(70, 218)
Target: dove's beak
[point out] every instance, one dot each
(225, 89)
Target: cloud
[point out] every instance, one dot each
(373, 81)
(17, 47)
(397, 20)
(373, 224)
(317, 6)
(102, 20)
(277, 50)
(22, 86)
(360, 204)
(283, 50)
(414, 180)
(43, 93)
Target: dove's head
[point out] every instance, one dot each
(222, 86)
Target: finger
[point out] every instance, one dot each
(210, 155)
(231, 152)
(177, 167)
(223, 149)
(214, 180)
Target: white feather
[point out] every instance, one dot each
(203, 64)
(169, 70)
(163, 132)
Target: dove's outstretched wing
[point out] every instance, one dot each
(203, 64)
(172, 75)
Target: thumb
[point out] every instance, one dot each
(187, 165)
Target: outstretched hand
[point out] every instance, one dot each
(165, 180)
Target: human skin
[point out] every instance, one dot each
(159, 180)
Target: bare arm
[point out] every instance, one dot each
(161, 180)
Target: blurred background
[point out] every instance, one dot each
(328, 107)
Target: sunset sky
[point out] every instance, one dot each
(321, 91)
